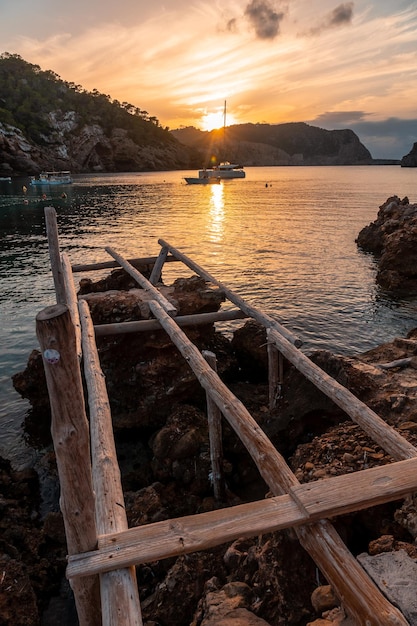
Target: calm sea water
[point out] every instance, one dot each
(283, 238)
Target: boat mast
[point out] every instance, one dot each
(224, 131)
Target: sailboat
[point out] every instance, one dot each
(225, 169)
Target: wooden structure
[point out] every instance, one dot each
(101, 547)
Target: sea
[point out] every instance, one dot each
(283, 238)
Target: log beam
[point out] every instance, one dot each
(119, 593)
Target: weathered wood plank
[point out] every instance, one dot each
(358, 490)
(119, 592)
(381, 432)
(197, 319)
(70, 434)
(54, 253)
(168, 538)
(250, 310)
(104, 265)
(143, 282)
(199, 532)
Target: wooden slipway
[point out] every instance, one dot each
(102, 549)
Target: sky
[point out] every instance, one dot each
(328, 63)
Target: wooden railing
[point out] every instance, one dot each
(96, 503)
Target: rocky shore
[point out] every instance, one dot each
(392, 238)
(160, 426)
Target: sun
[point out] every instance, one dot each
(212, 121)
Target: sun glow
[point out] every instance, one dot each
(212, 121)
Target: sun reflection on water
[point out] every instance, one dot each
(216, 213)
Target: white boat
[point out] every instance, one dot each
(52, 178)
(224, 170)
(5, 179)
(202, 180)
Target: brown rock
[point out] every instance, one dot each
(323, 598)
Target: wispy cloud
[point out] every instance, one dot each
(340, 16)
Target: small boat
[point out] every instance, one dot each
(52, 178)
(5, 179)
(224, 170)
(202, 180)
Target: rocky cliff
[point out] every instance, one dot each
(410, 159)
(86, 148)
(280, 144)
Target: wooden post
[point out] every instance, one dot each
(71, 300)
(214, 417)
(54, 253)
(143, 282)
(155, 276)
(361, 597)
(70, 434)
(273, 375)
(119, 592)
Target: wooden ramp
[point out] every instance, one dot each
(102, 549)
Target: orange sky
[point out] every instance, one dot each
(332, 64)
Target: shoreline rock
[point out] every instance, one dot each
(392, 238)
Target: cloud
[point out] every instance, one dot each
(264, 19)
(340, 16)
(340, 117)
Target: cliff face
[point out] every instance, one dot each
(86, 148)
(410, 159)
(280, 144)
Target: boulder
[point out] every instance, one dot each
(393, 238)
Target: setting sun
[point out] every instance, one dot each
(212, 121)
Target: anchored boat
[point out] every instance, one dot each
(223, 170)
(52, 178)
(202, 180)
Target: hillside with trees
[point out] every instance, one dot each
(48, 123)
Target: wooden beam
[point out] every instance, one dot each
(119, 592)
(324, 498)
(250, 310)
(197, 319)
(386, 437)
(143, 282)
(161, 540)
(70, 434)
(104, 265)
(358, 490)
